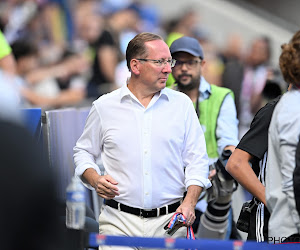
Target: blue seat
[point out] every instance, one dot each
(32, 121)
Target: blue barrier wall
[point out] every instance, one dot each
(171, 243)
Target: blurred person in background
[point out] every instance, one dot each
(40, 84)
(101, 27)
(17, 16)
(10, 96)
(284, 134)
(217, 115)
(214, 66)
(41, 22)
(102, 51)
(184, 25)
(233, 71)
(255, 74)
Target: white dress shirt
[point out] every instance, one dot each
(145, 149)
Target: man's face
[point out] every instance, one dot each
(187, 70)
(258, 53)
(152, 75)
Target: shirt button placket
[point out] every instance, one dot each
(146, 158)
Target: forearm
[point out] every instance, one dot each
(108, 62)
(242, 172)
(40, 74)
(187, 208)
(68, 97)
(90, 176)
(192, 196)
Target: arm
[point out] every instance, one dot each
(238, 166)
(187, 208)
(73, 65)
(65, 97)
(37, 75)
(196, 161)
(194, 155)
(88, 148)
(108, 62)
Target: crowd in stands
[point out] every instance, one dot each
(68, 53)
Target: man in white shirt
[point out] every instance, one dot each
(151, 145)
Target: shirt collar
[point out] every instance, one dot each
(125, 92)
(204, 88)
(165, 93)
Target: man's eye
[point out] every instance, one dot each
(159, 62)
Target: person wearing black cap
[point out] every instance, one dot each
(217, 115)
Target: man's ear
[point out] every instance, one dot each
(203, 62)
(135, 66)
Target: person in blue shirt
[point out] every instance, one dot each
(217, 115)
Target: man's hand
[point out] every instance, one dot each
(106, 187)
(187, 208)
(188, 211)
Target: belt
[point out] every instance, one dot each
(146, 213)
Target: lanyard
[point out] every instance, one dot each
(180, 217)
(197, 105)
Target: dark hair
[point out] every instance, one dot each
(136, 47)
(289, 60)
(22, 48)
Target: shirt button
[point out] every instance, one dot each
(147, 193)
(146, 173)
(145, 152)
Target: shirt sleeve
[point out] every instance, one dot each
(296, 180)
(288, 131)
(227, 125)
(87, 148)
(194, 154)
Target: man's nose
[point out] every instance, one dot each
(167, 68)
(184, 67)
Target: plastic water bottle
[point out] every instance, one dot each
(75, 209)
